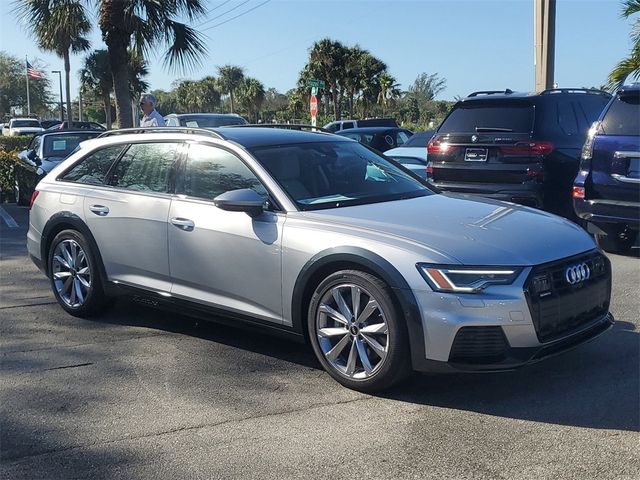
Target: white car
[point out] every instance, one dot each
(22, 126)
(413, 154)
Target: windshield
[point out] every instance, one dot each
(24, 123)
(62, 145)
(336, 174)
(419, 139)
(212, 121)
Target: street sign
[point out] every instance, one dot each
(313, 105)
(314, 91)
(315, 83)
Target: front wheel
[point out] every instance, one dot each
(74, 275)
(357, 333)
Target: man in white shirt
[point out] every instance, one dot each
(151, 116)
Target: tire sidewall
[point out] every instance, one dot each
(395, 366)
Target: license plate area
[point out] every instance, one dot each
(475, 155)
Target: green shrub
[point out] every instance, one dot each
(18, 142)
(8, 159)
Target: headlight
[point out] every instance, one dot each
(457, 279)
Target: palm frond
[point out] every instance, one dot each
(186, 46)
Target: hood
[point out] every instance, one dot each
(471, 230)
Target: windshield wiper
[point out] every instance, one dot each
(493, 129)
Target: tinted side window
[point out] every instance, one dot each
(211, 171)
(145, 167)
(566, 118)
(93, 169)
(623, 117)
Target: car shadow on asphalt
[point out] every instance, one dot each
(595, 385)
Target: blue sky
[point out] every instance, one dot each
(474, 44)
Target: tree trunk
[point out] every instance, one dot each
(117, 38)
(336, 102)
(231, 99)
(106, 99)
(67, 69)
(351, 95)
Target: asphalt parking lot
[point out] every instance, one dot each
(143, 394)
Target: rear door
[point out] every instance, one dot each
(486, 142)
(616, 151)
(128, 217)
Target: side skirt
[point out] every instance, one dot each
(203, 312)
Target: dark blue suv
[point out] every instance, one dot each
(606, 192)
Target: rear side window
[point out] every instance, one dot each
(211, 171)
(145, 167)
(623, 117)
(490, 116)
(93, 169)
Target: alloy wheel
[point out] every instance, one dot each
(71, 273)
(352, 331)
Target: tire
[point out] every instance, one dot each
(75, 276)
(619, 241)
(368, 351)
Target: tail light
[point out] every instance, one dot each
(34, 195)
(587, 148)
(429, 169)
(436, 146)
(529, 148)
(578, 192)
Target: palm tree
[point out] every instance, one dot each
(327, 58)
(59, 26)
(145, 25)
(629, 66)
(95, 76)
(138, 69)
(252, 96)
(388, 90)
(230, 78)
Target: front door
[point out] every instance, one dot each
(219, 258)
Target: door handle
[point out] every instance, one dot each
(183, 224)
(99, 210)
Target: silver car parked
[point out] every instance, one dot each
(319, 237)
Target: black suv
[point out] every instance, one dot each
(518, 147)
(606, 192)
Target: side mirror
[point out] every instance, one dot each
(31, 155)
(243, 200)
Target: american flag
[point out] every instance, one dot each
(34, 73)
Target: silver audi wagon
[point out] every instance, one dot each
(318, 237)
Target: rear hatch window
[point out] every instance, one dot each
(623, 117)
(495, 116)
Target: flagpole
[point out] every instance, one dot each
(27, 75)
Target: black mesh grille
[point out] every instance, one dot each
(559, 308)
(478, 345)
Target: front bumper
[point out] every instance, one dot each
(507, 326)
(608, 212)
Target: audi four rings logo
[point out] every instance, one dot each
(577, 273)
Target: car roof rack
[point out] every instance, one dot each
(191, 130)
(594, 91)
(508, 91)
(287, 126)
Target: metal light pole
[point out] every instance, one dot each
(61, 107)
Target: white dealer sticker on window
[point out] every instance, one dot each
(59, 145)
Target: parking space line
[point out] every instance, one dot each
(8, 219)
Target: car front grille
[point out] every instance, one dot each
(558, 306)
(479, 345)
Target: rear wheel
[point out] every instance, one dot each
(619, 240)
(74, 275)
(357, 333)
(20, 193)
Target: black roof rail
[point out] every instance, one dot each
(508, 91)
(594, 91)
(288, 126)
(191, 130)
